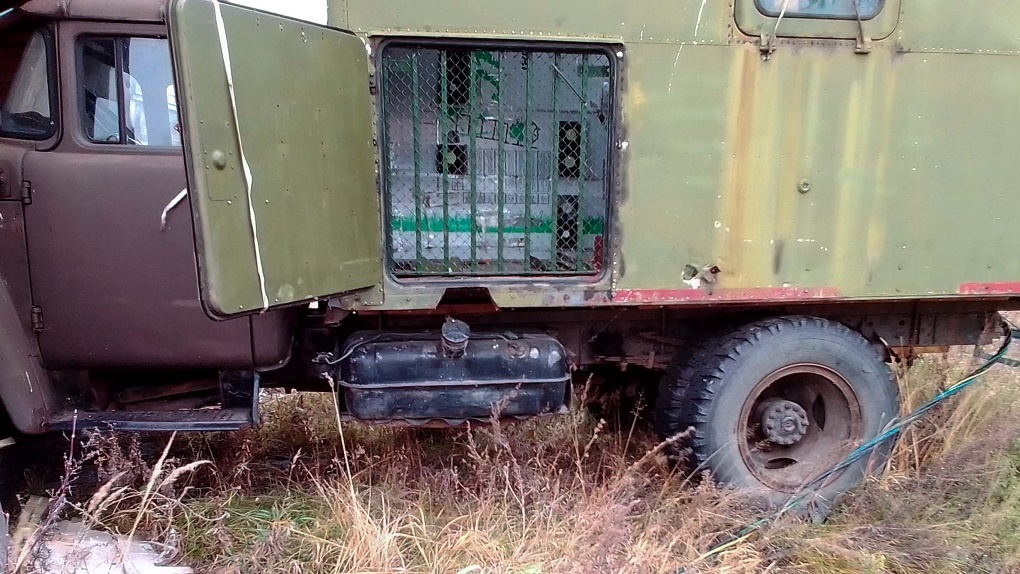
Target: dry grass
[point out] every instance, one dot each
(556, 495)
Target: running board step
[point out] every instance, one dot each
(209, 420)
(239, 409)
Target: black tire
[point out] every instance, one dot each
(840, 377)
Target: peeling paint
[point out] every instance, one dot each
(669, 88)
(701, 12)
(1000, 288)
(748, 295)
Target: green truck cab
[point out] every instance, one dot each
(436, 208)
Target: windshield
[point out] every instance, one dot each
(26, 112)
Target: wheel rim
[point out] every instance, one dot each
(796, 423)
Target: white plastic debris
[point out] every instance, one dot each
(70, 548)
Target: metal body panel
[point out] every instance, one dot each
(272, 336)
(303, 114)
(25, 388)
(655, 21)
(987, 27)
(117, 291)
(819, 173)
(114, 289)
(12, 153)
(13, 247)
(778, 179)
(14, 260)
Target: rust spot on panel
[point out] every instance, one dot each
(765, 294)
(1001, 288)
(635, 98)
(740, 131)
(465, 309)
(662, 297)
(777, 257)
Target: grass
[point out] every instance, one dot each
(305, 494)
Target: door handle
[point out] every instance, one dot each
(169, 206)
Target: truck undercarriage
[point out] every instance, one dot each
(379, 357)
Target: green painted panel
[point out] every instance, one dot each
(661, 21)
(305, 121)
(983, 27)
(818, 171)
(677, 123)
(910, 170)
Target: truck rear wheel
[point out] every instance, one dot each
(777, 402)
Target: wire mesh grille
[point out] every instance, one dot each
(496, 161)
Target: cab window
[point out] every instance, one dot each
(127, 92)
(842, 9)
(27, 112)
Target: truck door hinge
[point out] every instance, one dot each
(26, 192)
(37, 318)
(863, 39)
(863, 45)
(373, 85)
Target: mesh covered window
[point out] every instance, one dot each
(496, 162)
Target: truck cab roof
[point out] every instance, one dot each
(123, 10)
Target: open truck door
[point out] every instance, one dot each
(277, 120)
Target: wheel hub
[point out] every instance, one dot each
(783, 422)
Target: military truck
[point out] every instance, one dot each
(448, 209)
